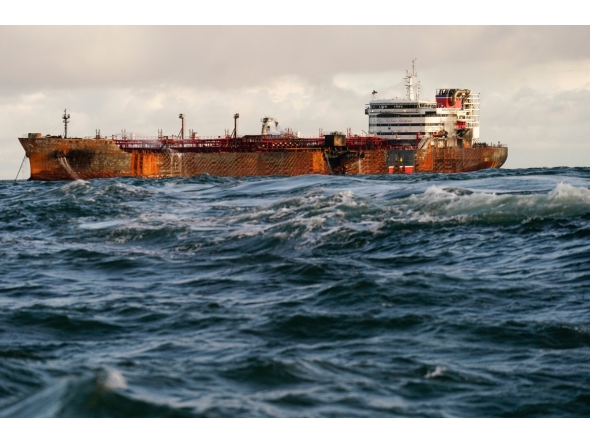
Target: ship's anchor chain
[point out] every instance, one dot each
(21, 166)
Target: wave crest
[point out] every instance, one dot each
(438, 204)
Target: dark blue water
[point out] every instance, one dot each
(426, 295)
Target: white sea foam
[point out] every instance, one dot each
(74, 184)
(305, 217)
(569, 192)
(99, 225)
(314, 216)
(436, 372)
(111, 379)
(439, 204)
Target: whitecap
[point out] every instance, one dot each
(436, 372)
(111, 379)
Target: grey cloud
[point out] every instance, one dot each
(241, 56)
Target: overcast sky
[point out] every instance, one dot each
(534, 81)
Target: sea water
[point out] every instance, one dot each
(426, 295)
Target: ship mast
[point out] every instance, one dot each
(181, 117)
(412, 90)
(235, 132)
(66, 119)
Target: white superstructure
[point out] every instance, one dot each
(455, 113)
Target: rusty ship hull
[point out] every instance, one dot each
(56, 158)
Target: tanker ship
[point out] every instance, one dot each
(405, 136)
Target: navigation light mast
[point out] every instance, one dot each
(66, 119)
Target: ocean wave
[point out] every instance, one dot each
(414, 295)
(440, 204)
(101, 393)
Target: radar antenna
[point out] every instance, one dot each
(412, 90)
